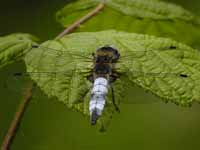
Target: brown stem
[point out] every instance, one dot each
(81, 20)
(18, 115)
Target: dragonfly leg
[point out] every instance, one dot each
(113, 100)
(90, 78)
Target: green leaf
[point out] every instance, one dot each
(140, 16)
(148, 55)
(194, 6)
(14, 46)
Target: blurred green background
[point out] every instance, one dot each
(49, 125)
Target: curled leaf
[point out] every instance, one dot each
(14, 46)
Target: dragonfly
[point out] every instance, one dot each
(102, 75)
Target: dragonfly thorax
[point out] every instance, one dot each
(104, 62)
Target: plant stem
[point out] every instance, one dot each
(81, 20)
(18, 115)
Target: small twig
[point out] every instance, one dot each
(81, 20)
(18, 115)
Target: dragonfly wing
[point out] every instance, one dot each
(72, 86)
(17, 81)
(169, 72)
(63, 78)
(16, 84)
(54, 53)
(126, 92)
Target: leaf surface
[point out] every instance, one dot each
(140, 16)
(14, 46)
(139, 53)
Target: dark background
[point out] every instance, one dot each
(49, 125)
(31, 16)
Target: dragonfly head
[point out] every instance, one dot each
(107, 54)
